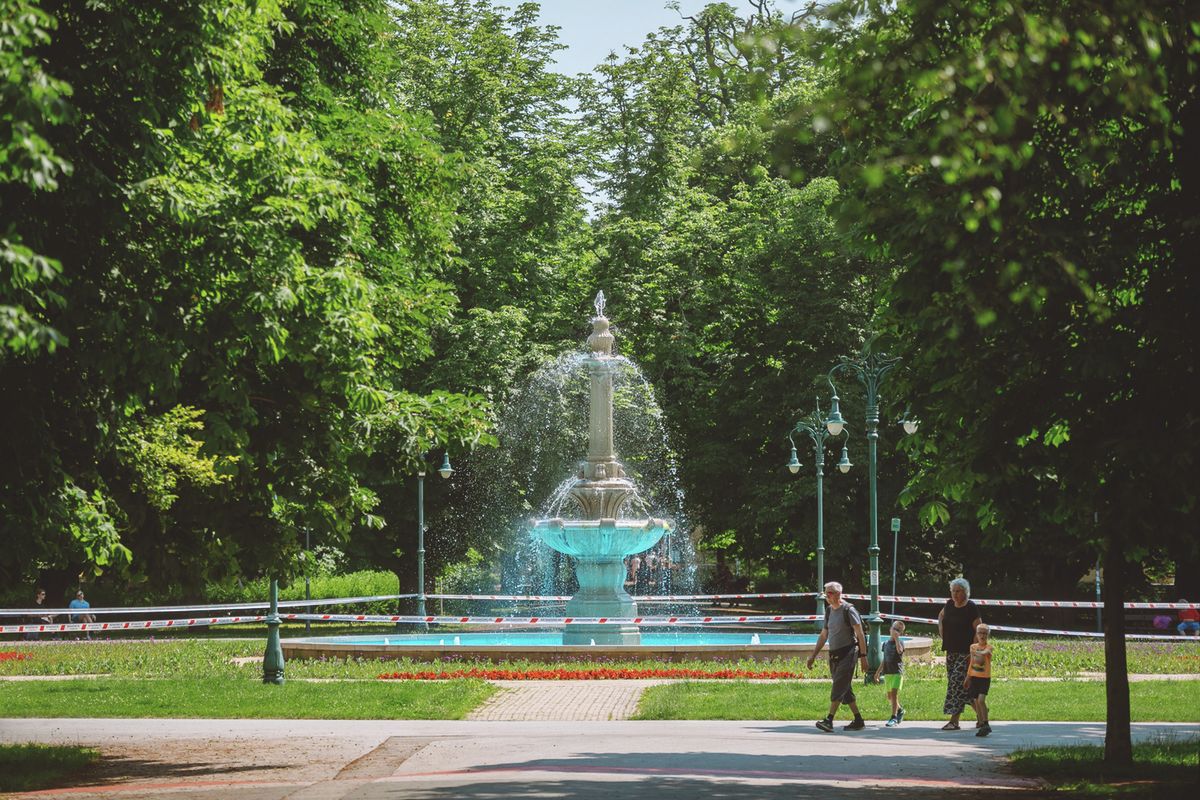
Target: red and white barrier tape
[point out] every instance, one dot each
(645, 598)
(1046, 631)
(401, 618)
(72, 627)
(1020, 603)
(42, 611)
(39, 612)
(83, 627)
(664, 620)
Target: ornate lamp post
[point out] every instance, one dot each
(814, 426)
(869, 369)
(273, 657)
(445, 471)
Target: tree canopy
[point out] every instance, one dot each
(259, 260)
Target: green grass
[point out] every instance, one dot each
(221, 698)
(209, 658)
(28, 767)
(1069, 701)
(1165, 767)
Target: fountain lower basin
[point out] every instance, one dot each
(548, 646)
(599, 547)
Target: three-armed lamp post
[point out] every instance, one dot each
(814, 426)
(869, 369)
(445, 470)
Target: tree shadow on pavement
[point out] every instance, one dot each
(111, 770)
(683, 789)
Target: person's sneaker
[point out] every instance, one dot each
(857, 725)
(900, 716)
(825, 725)
(984, 730)
(893, 722)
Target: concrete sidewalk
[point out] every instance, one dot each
(432, 760)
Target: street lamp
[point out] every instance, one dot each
(814, 425)
(869, 369)
(445, 470)
(307, 589)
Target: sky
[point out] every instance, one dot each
(592, 29)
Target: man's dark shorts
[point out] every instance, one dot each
(978, 686)
(841, 667)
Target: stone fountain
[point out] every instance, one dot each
(601, 538)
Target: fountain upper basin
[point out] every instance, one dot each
(600, 538)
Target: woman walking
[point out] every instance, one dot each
(956, 625)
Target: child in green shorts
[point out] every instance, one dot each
(892, 669)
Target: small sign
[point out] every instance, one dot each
(895, 524)
(874, 577)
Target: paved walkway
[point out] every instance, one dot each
(445, 760)
(563, 700)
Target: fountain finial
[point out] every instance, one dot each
(601, 340)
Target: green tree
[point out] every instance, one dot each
(485, 76)
(34, 102)
(729, 281)
(1023, 164)
(225, 259)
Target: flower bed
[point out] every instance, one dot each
(603, 673)
(12, 655)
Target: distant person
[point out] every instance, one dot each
(1189, 621)
(957, 622)
(892, 669)
(39, 599)
(979, 678)
(80, 603)
(843, 630)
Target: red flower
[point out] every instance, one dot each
(12, 655)
(600, 673)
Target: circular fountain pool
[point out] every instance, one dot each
(547, 646)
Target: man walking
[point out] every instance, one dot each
(843, 630)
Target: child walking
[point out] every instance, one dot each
(892, 669)
(979, 678)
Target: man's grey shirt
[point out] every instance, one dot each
(840, 622)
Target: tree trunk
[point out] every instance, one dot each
(1118, 746)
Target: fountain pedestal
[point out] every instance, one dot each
(601, 594)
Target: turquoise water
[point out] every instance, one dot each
(554, 639)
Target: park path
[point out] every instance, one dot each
(563, 700)
(193, 759)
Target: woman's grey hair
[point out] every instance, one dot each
(961, 583)
(833, 586)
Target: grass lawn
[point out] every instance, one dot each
(221, 698)
(1161, 768)
(1068, 701)
(211, 658)
(28, 767)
